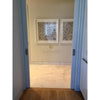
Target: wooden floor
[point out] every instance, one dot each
(50, 94)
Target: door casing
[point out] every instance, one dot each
(79, 13)
(24, 36)
(77, 43)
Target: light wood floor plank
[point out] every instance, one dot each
(50, 94)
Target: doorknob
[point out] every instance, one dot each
(73, 52)
(26, 51)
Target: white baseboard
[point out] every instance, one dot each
(51, 63)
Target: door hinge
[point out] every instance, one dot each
(26, 51)
(73, 52)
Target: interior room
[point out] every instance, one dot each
(50, 61)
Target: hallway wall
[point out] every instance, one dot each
(48, 9)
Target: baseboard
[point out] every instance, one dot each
(51, 63)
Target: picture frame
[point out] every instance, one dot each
(47, 30)
(66, 30)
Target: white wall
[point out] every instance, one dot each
(51, 9)
(17, 58)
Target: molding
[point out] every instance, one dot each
(50, 63)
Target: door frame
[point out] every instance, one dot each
(77, 43)
(24, 40)
(79, 13)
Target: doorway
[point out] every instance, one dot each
(49, 63)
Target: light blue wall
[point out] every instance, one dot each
(18, 78)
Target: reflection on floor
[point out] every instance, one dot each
(50, 76)
(51, 94)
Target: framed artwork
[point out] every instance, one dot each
(66, 30)
(47, 30)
